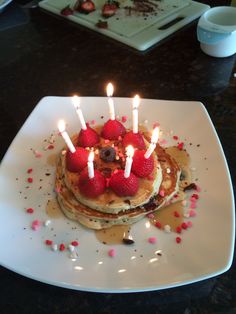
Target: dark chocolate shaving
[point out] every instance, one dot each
(128, 241)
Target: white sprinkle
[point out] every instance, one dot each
(71, 248)
(96, 151)
(167, 228)
(47, 222)
(74, 255)
(145, 122)
(63, 152)
(52, 139)
(117, 157)
(186, 213)
(193, 169)
(54, 247)
(168, 170)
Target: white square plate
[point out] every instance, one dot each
(206, 249)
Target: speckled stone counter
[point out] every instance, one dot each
(42, 55)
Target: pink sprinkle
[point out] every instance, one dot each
(106, 141)
(193, 199)
(192, 213)
(162, 193)
(30, 210)
(189, 224)
(30, 180)
(93, 122)
(180, 146)
(155, 124)
(176, 214)
(29, 170)
(184, 226)
(115, 171)
(175, 137)
(196, 196)
(75, 243)
(198, 189)
(158, 225)
(36, 225)
(151, 216)
(193, 205)
(178, 229)
(58, 189)
(112, 253)
(163, 141)
(178, 239)
(152, 240)
(119, 138)
(124, 119)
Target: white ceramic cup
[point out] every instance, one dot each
(216, 31)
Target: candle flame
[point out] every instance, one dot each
(155, 135)
(76, 101)
(130, 151)
(110, 90)
(61, 126)
(91, 156)
(136, 101)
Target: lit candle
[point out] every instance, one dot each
(110, 91)
(136, 101)
(129, 160)
(152, 146)
(90, 165)
(76, 103)
(61, 127)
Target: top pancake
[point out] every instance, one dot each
(109, 202)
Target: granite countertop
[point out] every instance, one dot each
(42, 55)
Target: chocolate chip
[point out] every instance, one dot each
(128, 241)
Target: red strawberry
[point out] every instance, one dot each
(77, 161)
(112, 129)
(124, 186)
(92, 187)
(142, 166)
(87, 6)
(88, 137)
(66, 11)
(134, 139)
(109, 9)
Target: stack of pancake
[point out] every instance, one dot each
(109, 209)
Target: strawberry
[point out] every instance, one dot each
(124, 186)
(134, 139)
(87, 6)
(92, 187)
(142, 166)
(77, 161)
(88, 137)
(112, 129)
(109, 9)
(66, 11)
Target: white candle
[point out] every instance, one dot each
(110, 91)
(61, 127)
(90, 165)
(136, 101)
(76, 103)
(152, 146)
(129, 160)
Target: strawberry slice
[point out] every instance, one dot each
(86, 7)
(109, 9)
(67, 11)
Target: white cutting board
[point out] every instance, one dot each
(135, 30)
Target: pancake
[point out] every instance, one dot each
(97, 219)
(109, 202)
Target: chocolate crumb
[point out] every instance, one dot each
(191, 186)
(127, 241)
